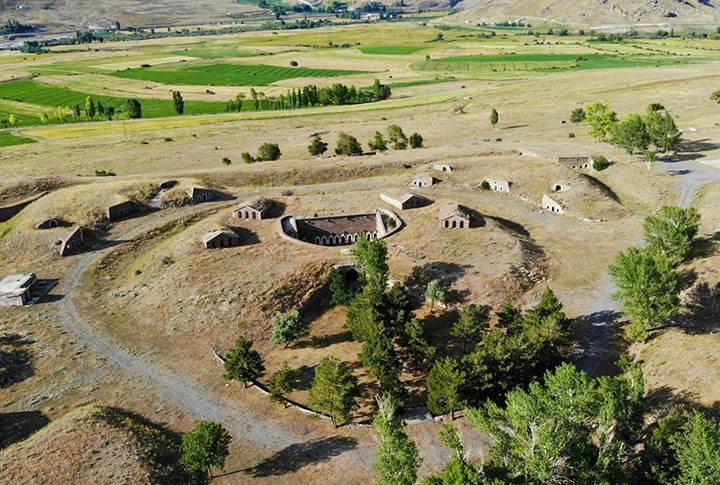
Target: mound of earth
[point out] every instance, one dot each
(591, 13)
(92, 445)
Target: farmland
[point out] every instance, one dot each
(8, 139)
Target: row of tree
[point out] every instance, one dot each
(348, 145)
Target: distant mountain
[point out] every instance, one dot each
(591, 13)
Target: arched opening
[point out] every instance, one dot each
(461, 224)
(447, 223)
(454, 224)
(53, 223)
(557, 188)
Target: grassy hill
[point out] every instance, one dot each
(593, 13)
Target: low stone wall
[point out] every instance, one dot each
(10, 211)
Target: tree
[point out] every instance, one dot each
(109, 112)
(281, 383)
(134, 109)
(397, 137)
(204, 447)
(247, 158)
(378, 143)
(600, 119)
(648, 289)
(381, 360)
(90, 107)
(457, 471)
(371, 259)
(577, 115)
(470, 325)
(416, 140)
(317, 147)
(568, 428)
(715, 96)
(397, 459)
(670, 232)
(600, 162)
(333, 390)
(630, 134)
(494, 117)
(450, 438)
(435, 293)
(340, 294)
(178, 102)
(12, 119)
(348, 145)
(243, 363)
(287, 328)
(269, 152)
(661, 129)
(444, 384)
(420, 351)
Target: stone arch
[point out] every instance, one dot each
(462, 223)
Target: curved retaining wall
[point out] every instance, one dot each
(11, 210)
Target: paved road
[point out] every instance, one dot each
(596, 355)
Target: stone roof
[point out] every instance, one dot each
(15, 284)
(453, 210)
(400, 197)
(220, 232)
(260, 204)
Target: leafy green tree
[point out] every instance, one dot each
(365, 314)
(371, 259)
(90, 107)
(471, 323)
(397, 459)
(287, 328)
(317, 147)
(178, 102)
(281, 383)
(577, 115)
(435, 293)
(600, 119)
(396, 309)
(76, 110)
(416, 140)
(348, 145)
(134, 109)
(659, 457)
(109, 112)
(380, 91)
(204, 447)
(269, 152)
(445, 382)
(630, 134)
(12, 119)
(397, 137)
(648, 289)
(378, 143)
(567, 429)
(661, 129)
(247, 158)
(420, 351)
(451, 439)
(494, 117)
(340, 293)
(670, 232)
(379, 357)
(333, 390)
(243, 363)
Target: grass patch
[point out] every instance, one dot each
(227, 74)
(216, 53)
(422, 82)
(8, 139)
(391, 50)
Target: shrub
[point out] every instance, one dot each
(226, 161)
(175, 197)
(247, 158)
(269, 152)
(348, 145)
(600, 162)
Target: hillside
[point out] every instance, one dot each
(593, 13)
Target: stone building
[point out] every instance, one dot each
(560, 186)
(499, 185)
(442, 167)
(253, 209)
(121, 210)
(552, 205)
(18, 289)
(577, 162)
(222, 238)
(341, 230)
(202, 194)
(72, 243)
(454, 216)
(423, 180)
(403, 200)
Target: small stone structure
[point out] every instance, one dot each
(423, 180)
(222, 238)
(121, 210)
(499, 185)
(202, 194)
(48, 223)
(167, 184)
(72, 243)
(403, 200)
(8, 211)
(577, 162)
(454, 216)
(442, 167)
(551, 205)
(560, 186)
(17, 289)
(340, 230)
(253, 209)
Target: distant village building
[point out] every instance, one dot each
(423, 180)
(560, 186)
(202, 194)
(253, 209)
(121, 210)
(454, 216)
(72, 243)
(17, 289)
(442, 167)
(576, 163)
(551, 205)
(222, 238)
(499, 185)
(48, 223)
(403, 200)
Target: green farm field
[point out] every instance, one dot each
(8, 139)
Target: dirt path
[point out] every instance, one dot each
(596, 354)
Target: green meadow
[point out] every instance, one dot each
(394, 50)
(8, 139)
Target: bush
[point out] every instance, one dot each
(226, 161)
(571, 135)
(577, 115)
(175, 197)
(247, 158)
(485, 185)
(600, 162)
(269, 152)
(348, 145)
(416, 140)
